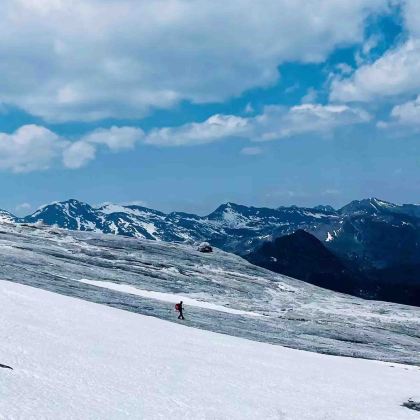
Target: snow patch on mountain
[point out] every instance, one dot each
(6, 217)
(110, 208)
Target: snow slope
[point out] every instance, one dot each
(291, 312)
(78, 360)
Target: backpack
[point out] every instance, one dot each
(177, 307)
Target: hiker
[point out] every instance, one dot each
(180, 309)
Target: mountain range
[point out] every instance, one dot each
(375, 242)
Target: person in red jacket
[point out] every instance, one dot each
(180, 308)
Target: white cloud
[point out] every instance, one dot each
(408, 113)
(33, 147)
(344, 68)
(277, 122)
(404, 117)
(251, 151)
(29, 148)
(217, 127)
(81, 152)
(310, 97)
(94, 59)
(273, 123)
(393, 74)
(412, 17)
(363, 54)
(78, 154)
(116, 138)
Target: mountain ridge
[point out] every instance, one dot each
(241, 229)
(250, 223)
(370, 236)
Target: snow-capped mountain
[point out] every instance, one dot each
(231, 226)
(375, 234)
(366, 231)
(6, 217)
(71, 214)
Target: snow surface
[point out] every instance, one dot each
(74, 359)
(6, 217)
(294, 313)
(166, 297)
(110, 208)
(329, 237)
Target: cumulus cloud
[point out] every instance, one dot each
(277, 122)
(217, 127)
(33, 147)
(78, 154)
(116, 138)
(273, 123)
(344, 68)
(310, 97)
(404, 117)
(392, 75)
(408, 113)
(412, 17)
(81, 152)
(93, 59)
(29, 148)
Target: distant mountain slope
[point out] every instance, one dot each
(7, 217)
(231, 227)
(373, 233)
(302, 256)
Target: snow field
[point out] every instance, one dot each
(74, 359)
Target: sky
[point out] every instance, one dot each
(183, 105)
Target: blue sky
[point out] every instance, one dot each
(183, 105)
